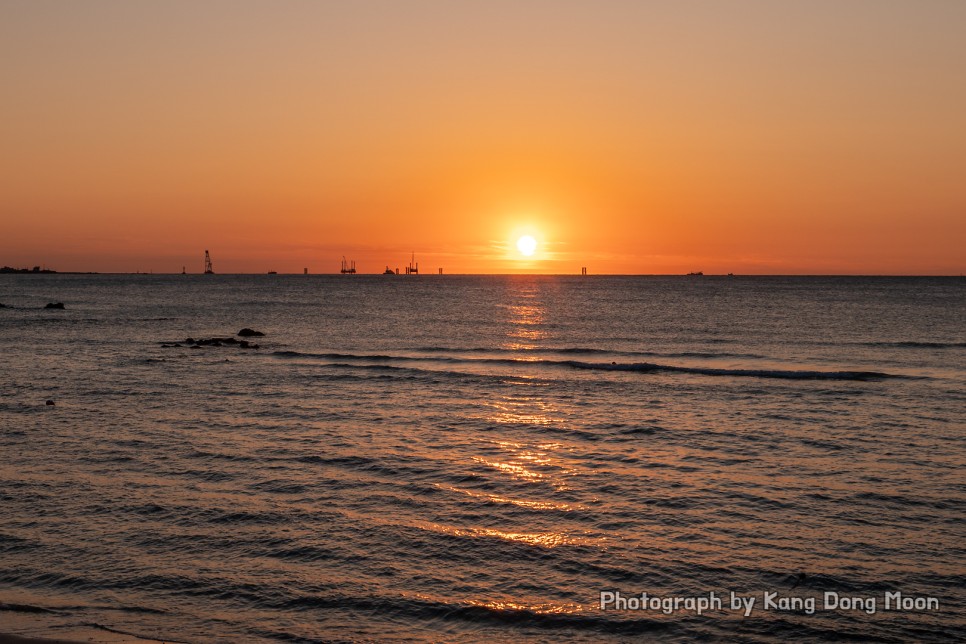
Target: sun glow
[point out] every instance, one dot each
(527, 245)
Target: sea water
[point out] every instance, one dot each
(463, 458)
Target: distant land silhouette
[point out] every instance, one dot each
(35, 269)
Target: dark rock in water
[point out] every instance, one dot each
(54, 305)
(250, 333)
(50, 403)
(197, 343)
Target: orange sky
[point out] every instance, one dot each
(629, 137)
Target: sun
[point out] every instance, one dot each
(527, 245)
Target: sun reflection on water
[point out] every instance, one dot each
(526, 314)
(526, 322)
(530, 464)
(543, 609)
(547, 540)
(495, 498)
(528, 410)
(515, 471)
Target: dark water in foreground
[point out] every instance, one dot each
(478, 458)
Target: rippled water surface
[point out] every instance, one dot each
(478, 458)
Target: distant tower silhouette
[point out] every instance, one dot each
(413, 268)
(208, 269)
(347, 267)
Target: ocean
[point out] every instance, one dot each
(484, 458)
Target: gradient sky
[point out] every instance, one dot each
(629, 137)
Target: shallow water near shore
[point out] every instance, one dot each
(457, 458)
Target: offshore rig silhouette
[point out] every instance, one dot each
(412, 269)
(348, 267)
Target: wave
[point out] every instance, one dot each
(803, 374)
(637, 367)
(589, 351)
(24, 608)
(913, 344)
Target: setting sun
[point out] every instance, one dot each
(527, 245)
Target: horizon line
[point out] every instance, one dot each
(50, 272)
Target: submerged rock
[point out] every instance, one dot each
(198, 343)
(50, 403)
(54, 305)
(250, 333)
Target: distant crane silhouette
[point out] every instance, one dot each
(208, 269)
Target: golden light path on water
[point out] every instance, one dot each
(495, 498)
(562, 608)
(540, 539)
(523, 409)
